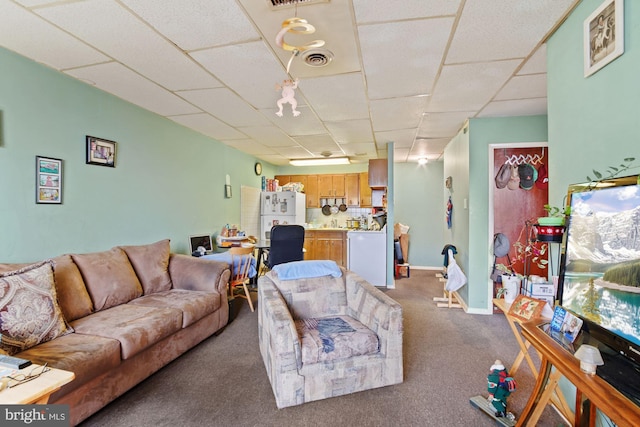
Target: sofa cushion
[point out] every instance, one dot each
(194, 304)
(87, 356)
(315, 297)
(73, 297)
(29, 311)
(109, 277)
(333, 338)
(136, 327)
(151, 264)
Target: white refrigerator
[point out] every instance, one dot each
(281, 207)
(367, 255)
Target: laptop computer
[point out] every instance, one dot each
(203, 240)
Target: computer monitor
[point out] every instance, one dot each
(198, 240)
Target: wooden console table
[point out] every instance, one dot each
(601, 394)
(37, 390)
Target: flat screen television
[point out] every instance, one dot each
(600, 268)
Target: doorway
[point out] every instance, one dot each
(517, 204)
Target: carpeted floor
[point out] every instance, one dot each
(447, 355)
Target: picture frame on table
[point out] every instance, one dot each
(48, 180)
(526, 308)
(101, 152)
(603, 35)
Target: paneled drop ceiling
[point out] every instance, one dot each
(408, 71)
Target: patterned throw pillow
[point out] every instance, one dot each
(29, 312)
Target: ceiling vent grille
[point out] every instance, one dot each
(277, 4)
(317, 57)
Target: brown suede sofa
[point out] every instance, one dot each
(127, 312)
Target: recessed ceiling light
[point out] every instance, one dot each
(423, 161)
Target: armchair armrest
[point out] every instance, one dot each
(377, 311)
(196, 274)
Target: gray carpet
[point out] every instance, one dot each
(447, 355)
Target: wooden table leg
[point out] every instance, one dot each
(541, 381)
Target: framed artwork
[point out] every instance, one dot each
(101, 152)
(526, 308)
(48, 180)
(603, 35)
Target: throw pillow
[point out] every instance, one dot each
(29, 311)
(151, 263)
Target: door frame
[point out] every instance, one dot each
(490, 217)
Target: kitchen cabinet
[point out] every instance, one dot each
(365, 190)
(311, 190)
(331, 186)
(326, 244)
(352, 189)
(378, 173)
(282, 179)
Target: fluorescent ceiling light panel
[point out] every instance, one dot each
(320, 161)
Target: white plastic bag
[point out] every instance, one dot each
(455, 277)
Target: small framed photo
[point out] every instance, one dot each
(48, 180)
(526, 308)
(101, 152)
(603, 35)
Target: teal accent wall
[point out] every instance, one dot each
(466, 161)
(168, 181)
(419, 203)
(592, 120)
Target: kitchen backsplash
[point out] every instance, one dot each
(316, 219)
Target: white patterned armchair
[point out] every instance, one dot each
(326, 336)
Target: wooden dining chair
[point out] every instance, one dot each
(241, 259)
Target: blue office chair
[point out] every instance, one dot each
(287, 242)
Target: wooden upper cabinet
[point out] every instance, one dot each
(283, 179)
(378, 173)
(352, 189)
(311, 191)
(331, 186)
(365, 190)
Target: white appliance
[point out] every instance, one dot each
(280, 207)
(367, 255)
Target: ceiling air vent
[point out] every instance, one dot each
(317, 57)
(284, 3)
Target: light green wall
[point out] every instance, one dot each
(592, 120)
(419, 203)
(168, 181)
(467, 161)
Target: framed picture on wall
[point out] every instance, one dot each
(603, 35)
(48, 180)
(101, 152)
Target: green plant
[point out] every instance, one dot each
(555, 211)
(612, 171)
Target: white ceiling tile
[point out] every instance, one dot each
(296, 152)
(351, 131)
(336, 98)
(60, 51)
(402, 137)
(318, 143)
(124, 83)
(32, 3)
(520, 87)
(397, 113)
(113, 30)
(469, 86)
(210, 126)
(443, 124)
(429, 147)
(400, 154)
(225, 105)
(402, 58)
(522, 107)
(274, 159)
(307, 123)
(249, 146)
(507, 38)
(360, 149)
(384, 10)
(537, 63)
(196, 24)
(249, 69)
(270, 136)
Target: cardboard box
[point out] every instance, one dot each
(542, 288)
(549, 299)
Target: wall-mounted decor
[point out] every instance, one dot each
(48, 180)
(603, 35)
(227, 191)
(101, 152)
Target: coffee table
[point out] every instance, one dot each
(37, 390)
